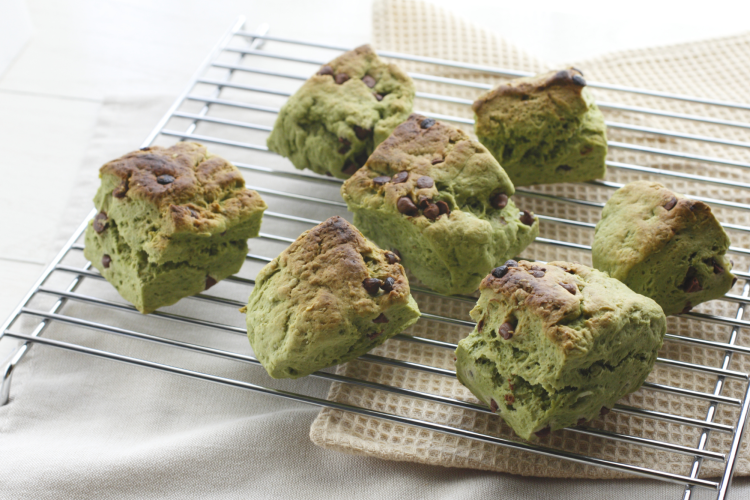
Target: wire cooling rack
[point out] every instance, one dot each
(207, 112)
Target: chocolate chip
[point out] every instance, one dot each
(527, 218)
(350, 167)
(391, 257)
(396, 253)
(571, 288)
(381, 180)
(121, 190)
(165, 179)
(493, 406)
(388, 284)
(438, 160)
(374, 335)
(544, 432)
(377, 96)
(341, 78)
(537, 273)
(432, 212)
(425, 182)
(406, 206)
(671, 203)
(329, 174)
(564, 168)
(604, 410)
(369, 81)
(509, 399)
(576, 69)
(195, 214)
(581, 421)
(511, 263)
(100, 222)
(578, 80)
(326, 70)
(688, 307)
(499, 272)
(427, 123)
(734, 280)
(499, 200)
(691, 283)
(146, 149)
(717, 268)
(372, 285)
(480, 325)
(400, 177)
(424, 202)
(106, 261)
(361, 133)
(345, 145)
(380, 319)
(506, 330)
(443, 207)
(210, 282)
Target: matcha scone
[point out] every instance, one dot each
(171, 222)
(335, 120)
(443, 202)
(544, 129)
(556, 344)
(327, 299)
(664, 246)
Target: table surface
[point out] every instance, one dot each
(85, 50)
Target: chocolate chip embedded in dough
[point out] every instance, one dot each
(345, 145)
(350, 167)
(106, 261)
(381, 319)
(388, 284)
(443, 207)
(406, 206)
(400, 177)
(438, 160)
(499, 200)
(381, 180)
(397, 253)
(425, 182)
(377, 96)
(121, 190)
(499, 272)
(537, 273)
(527, 218)
(194, 214)
(578, 80)
(511, 263)
(369, 81)
(165, 179)
(391, 257)
(544, 432)
(576, 69)
(427, 123)
(581, 421)
(691, 283)
(493, 406)
(341, 78)
(506, 330)
(509, 399)
(361, 133)
(604, 410)
(571, 288)
(100, 222)
(671, 203)
(432, 212)
(326, 70)
(372, 285)
(374, 335)
(688, 307)
(210, 282)
(424, 202)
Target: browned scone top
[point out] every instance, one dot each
(567, 81)
(184, 181)
(328, 265)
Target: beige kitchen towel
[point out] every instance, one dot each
(717, 69)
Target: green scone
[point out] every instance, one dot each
(556, 344)
(327, 299)
(335, 120)
(171, 223)
(544, 129)
(664, 246)
(443, 202)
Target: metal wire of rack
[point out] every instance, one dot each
(215, 100)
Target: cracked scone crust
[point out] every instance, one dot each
(556, 343)
(335, 120)
(544, 129)
(328, 298)
(171, 222)
(664, 246)
(442, 201)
